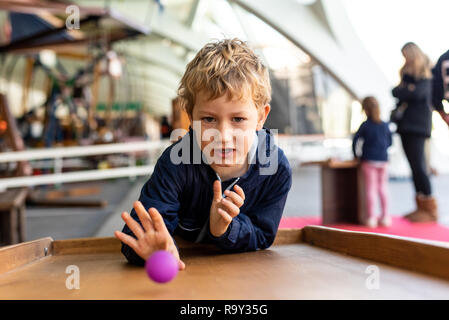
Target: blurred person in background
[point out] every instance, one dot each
(414, 99)
(440, 85)
(376, 137)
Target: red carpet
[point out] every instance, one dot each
(400, 227)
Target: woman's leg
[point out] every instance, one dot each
(414, 150)
(426, 204)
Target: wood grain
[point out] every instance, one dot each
(415, 255)
(341, 191)
(332, 163)
(110, 244)
(292, 271)
(288, 236)
(294, 267)
(86, 246)
(18, 255)
(339, 195)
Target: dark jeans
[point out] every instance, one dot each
(414, 150)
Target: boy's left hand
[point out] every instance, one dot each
(223, 210)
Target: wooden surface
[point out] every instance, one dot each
(12, 198)
(332, 163)
(86, 246)
(12, 216)
(294, 268)
(415, 255)
(342, 198)
(16, 256)
(339, 195)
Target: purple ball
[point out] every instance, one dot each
(161, 266)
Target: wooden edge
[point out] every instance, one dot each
(102, 245)
(86, 246)
(15, 256)
(427, 257)
(333, 164)
(315, 163)
(288, 236)
(111, 244)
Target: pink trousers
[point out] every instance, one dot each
(375, 178)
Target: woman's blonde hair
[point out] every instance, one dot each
(371, 107)
(418, 63)
(225, 67)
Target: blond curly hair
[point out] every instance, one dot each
(225, 67)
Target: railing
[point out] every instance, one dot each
(57, 154)
(298, 149)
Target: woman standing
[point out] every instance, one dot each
(414, 94)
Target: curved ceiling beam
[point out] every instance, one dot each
(323, 31)
(155, 54)
(170, 28)
(138, 77)
(161, 23)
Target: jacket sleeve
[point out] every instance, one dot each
(356, 137)
(389, 135)
(438, 86)
(421, 91)
(257, 228)
(161, 191)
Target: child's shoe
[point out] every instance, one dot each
(385, 221)
(371, 222)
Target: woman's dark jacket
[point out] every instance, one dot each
(417, 94)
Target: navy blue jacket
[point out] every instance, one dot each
(183, 193)
(439, 88)
(376, 140)
(417, 118)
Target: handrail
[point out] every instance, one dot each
(78, 151)
(56, 154)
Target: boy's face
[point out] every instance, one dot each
(227, 128)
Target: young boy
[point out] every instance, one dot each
(226, 93)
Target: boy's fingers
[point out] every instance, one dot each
(224, 215)
(238, 201)
(230, 208)
(239, 191)
(126, 239)
(158, 221)
(133, 225)
(181, 264)
(143, 216)
(217, 190)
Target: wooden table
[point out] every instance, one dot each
(309, 263)
(341, 191)
(12, 216)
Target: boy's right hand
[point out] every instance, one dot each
(153, 237)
